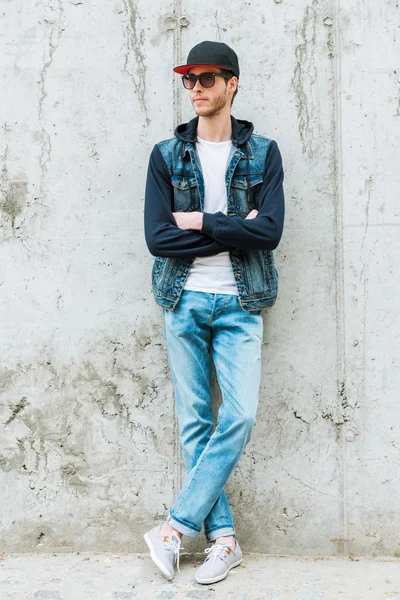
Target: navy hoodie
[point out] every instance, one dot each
(219, 232)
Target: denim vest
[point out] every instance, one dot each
(254, 270)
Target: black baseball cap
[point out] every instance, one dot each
(213, 54)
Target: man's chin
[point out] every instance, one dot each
(200, 110)
(203, 111)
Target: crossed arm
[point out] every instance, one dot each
(194, 220)
(175, 234)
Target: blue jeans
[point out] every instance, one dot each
(204, 325)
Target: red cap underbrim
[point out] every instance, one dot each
(183, 69)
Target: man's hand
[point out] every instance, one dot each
(189, 220)
(252, 214)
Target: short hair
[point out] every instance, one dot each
(230, 75)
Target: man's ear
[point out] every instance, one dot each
(232, 80)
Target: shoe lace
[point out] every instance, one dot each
(174, 543)
(215, 550)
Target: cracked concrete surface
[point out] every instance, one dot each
(56, 29)
(89, 446)
(119, 576)
(135, 44)
(304, 76)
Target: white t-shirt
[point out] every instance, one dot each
(213, 274)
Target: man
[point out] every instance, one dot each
(214, 213)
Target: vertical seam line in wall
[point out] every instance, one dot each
(339, 268)
(176, 83)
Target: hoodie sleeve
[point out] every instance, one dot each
(265, 230)
(162, 234)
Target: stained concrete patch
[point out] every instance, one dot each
(13, 194)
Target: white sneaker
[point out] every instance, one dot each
(220, 560)
(164, 550)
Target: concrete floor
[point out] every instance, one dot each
(98, 576)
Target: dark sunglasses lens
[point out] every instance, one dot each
(189, 82)
(207, 80)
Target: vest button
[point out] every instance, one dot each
(179, 273)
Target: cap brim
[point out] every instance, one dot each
(183, 69)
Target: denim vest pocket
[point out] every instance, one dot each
(260, 275)
(168, 277)
(186, 197)
(245, 194)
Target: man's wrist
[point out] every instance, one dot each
(199, 221)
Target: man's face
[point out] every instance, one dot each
(209, 102)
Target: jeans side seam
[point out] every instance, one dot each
(198, 463)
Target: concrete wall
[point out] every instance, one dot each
(89, 451)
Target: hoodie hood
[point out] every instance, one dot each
(241, 131)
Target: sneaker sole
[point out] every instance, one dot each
(155, 560)
(220, 577)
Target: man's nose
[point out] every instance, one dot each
(198, 86)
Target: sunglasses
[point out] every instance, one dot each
(207, 80)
